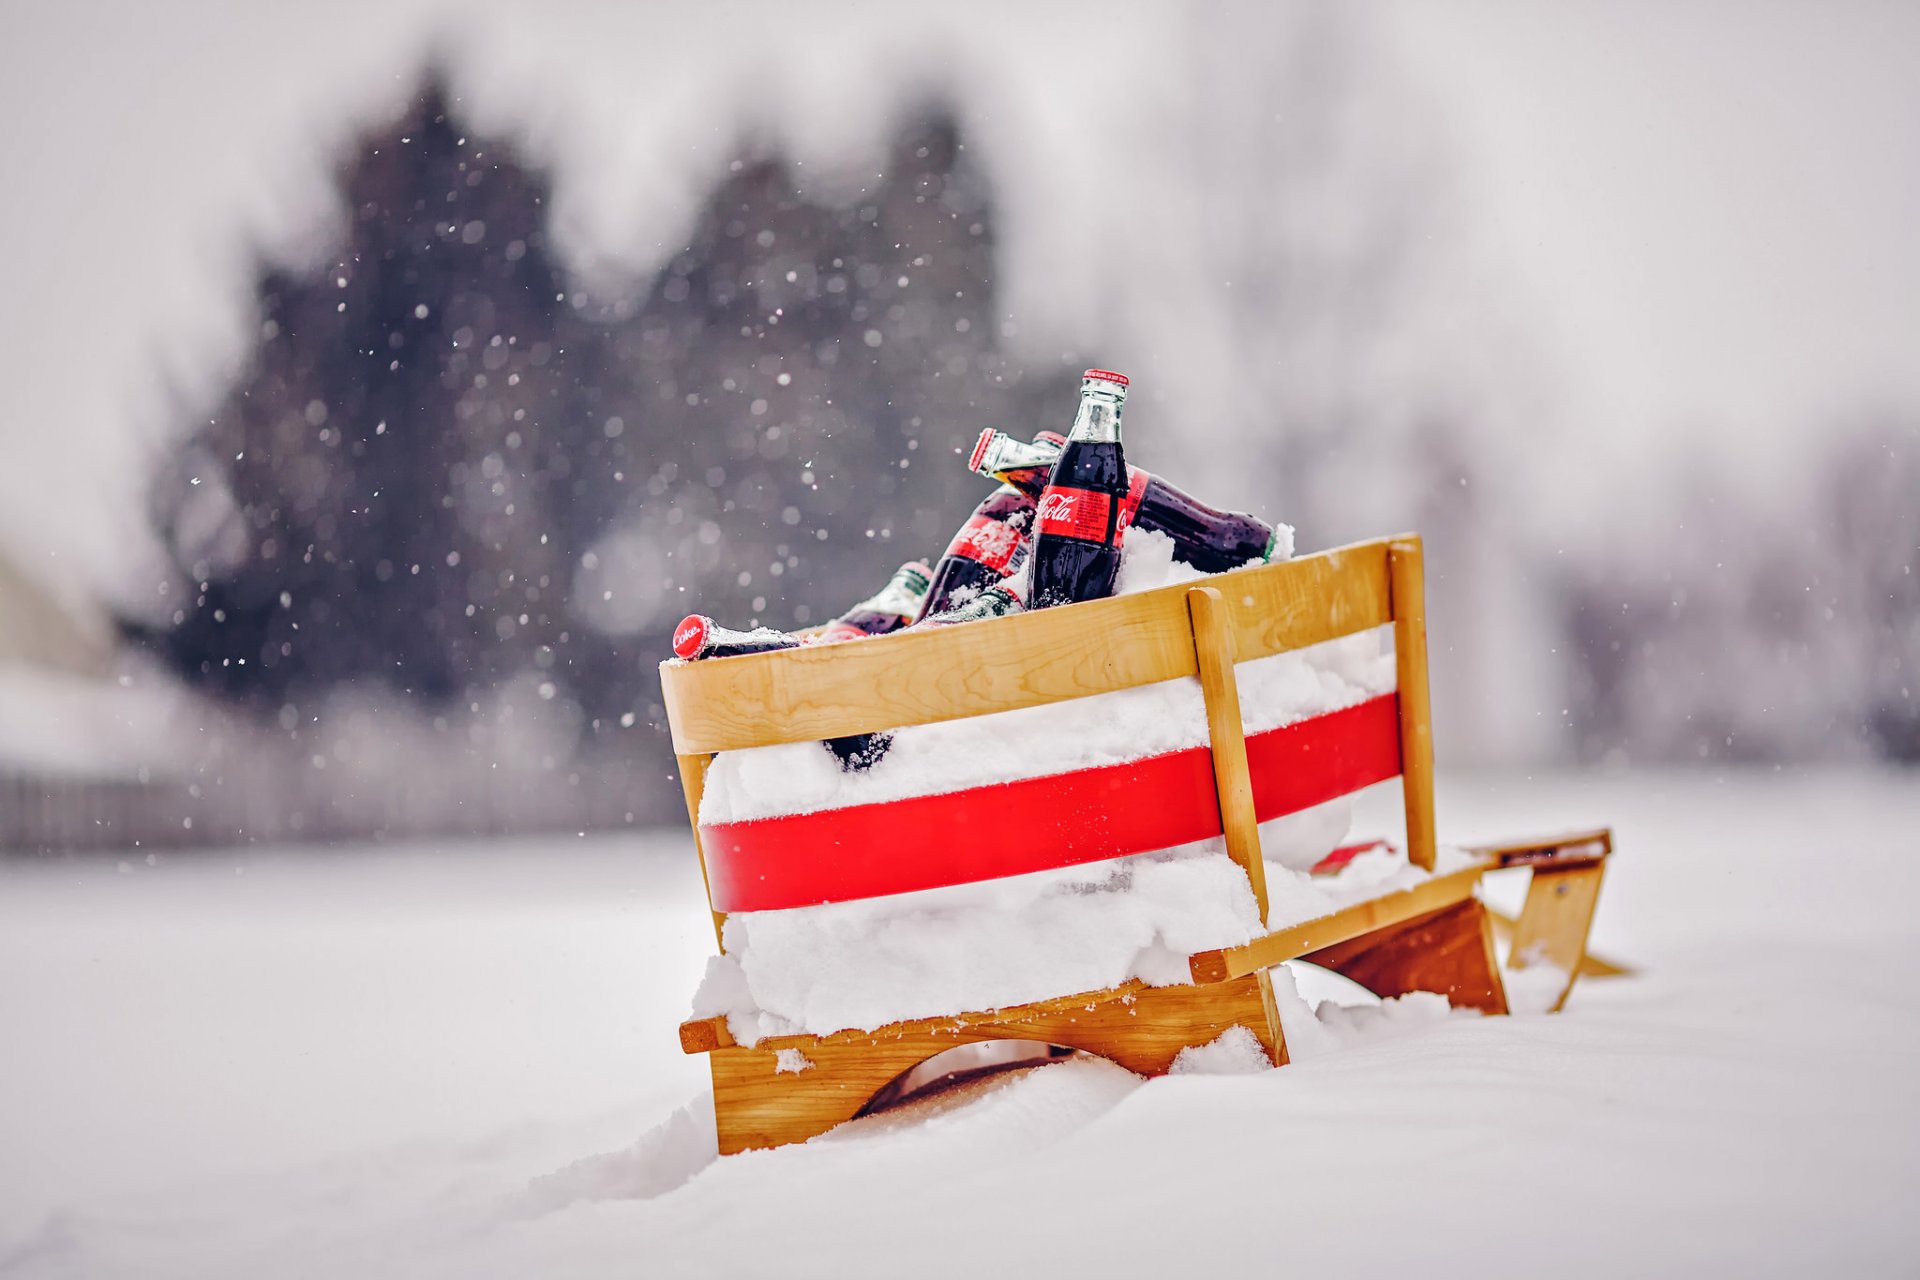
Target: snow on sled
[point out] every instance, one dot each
(1097, 916)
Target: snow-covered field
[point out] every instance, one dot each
(365, 1062)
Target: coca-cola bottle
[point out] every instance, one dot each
(1205, 537)
(894, 606)
(699, 636)
(996, 601)
(991, 545)
(1077, 526)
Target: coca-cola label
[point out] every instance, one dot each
(989, 541)
(1129, 505)
(1073, 513)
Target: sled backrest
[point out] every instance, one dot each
(1052, 655)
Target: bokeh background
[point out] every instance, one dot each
(384, 381)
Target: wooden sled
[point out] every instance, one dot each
(1435, 936)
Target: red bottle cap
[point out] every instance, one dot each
(1050, 437)
(691, 635)
(980, 449)
(1106, 375)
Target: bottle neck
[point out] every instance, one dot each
(901, 597)
(999, 455)
(1098, 421)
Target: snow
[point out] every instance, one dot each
(866, 963)
(461, 1061)
(1534, 988)
(1237, 1052)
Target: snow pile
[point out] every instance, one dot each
(664, 1158)
(1237, 1052)
(1005, 942)
(1533, 989)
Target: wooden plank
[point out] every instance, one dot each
(1449, 952)
(1591, 965)
(1555, 919)
(1056, 1010)
(693, 783)
(704, 1035)
(1226, 737)
(1139, 1027)
(1407, 574)
(948, 673)
(1297, 940)
(1596, 842)
(1277, 1050)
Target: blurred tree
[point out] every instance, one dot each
(381, 494)
(782, 411)
(440, 468)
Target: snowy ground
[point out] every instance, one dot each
(364, 1063)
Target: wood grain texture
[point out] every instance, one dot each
(1449, 952)
(1591, 965)
(1139, 1027)
(1296, 941)
(1406, 572)
(948, 673)
(693, 783)
(1566, 848)
(1555, 919)
(704, 1035)
(1226, 737)
(1277, 1051)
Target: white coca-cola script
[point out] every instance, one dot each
(1056, 506)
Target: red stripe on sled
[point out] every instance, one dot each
(1039, 824)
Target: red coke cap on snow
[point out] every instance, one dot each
(691, 635)
(1106, 375)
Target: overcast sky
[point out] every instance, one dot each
(1707, 209)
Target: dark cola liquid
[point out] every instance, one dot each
(990, 546)
(1209, 540)
(1077, 524)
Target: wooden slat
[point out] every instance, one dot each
(948, 673)
(1297, 940)
(1555, 919)
(1591, 965)
(1449, 952)
(1271, 1009)
(704, 1035)
(1582, 846)
(1407, 574)
(1226, 737)
(693, 783)
(1141, 1028)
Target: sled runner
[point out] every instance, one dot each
(1432, 936)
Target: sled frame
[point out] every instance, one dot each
(1435, 936)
